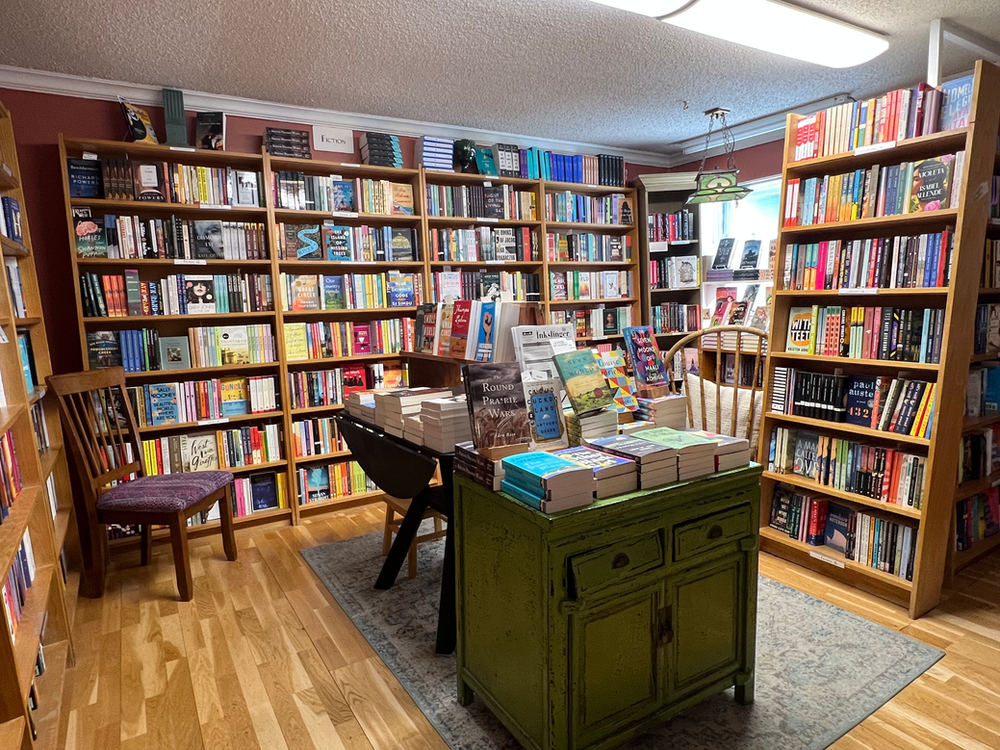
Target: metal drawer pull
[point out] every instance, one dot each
(715, 532)
(620, 561)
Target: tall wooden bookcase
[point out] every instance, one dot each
(421, 369)
(935, 519)
(45, 617)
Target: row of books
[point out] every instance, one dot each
(16, 287)
(675, 317)
(594, 322)
(484, 244)
(299, 192)
(329, 340)
(884, 120)
(864, 537)
(467, 329)
(901, 262)
(287, 142)
(590, 285)
(10, 219)
(907, 188)
(977, 518)
(157, 404)
(143, 350)
(986, 338)
(588, 209)
(225, 449)
(132, 238)
(258, 493)
(489, 284)
(588, 248)
(381, 149)
(162, 182)
(332, 242)
(316, 437)
(319, 388)
(991, 265)
(14, 591)
(507, 160)
(124, 295)
(885, 474)
(354, 291)
(730, 311)
(900, 334)
(674, 272)
(982, 389)
(40, 427)
(10, 474)
(481, 201)
(980, 453)
(339, 480)
(676, 226)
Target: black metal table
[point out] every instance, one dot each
(402, 469)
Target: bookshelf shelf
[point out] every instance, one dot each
(300, 216)
(50, 683)
(600, 301)
(221, 422)
(922, 146)
(29, 630)
(344, 501)
(977, 551)
(254, 467)
(12, 733)
(590, 264)
(48, 459)
(322, 457)
(679, 290)
(181, 263)
(984, 420)
(24, 322)
(810, 486)
(349, 311)
(850, 429)
(462, 178)
(9, 415)
(481, 220)
(35, 395)
(583, 227)
(989, 356)
(7, 179)
(316, 409)
(550, 186)
(882, 364)
(972, 487)
(190, 210)
(321, 363)
(169, 375)
(139, 319)
(13, 526)
(935, 537)
(346, 266)
(61, 524)
(319, 167)
(12, 249)
(173, 154)
(487, 264)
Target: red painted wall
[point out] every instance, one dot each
(754, 162)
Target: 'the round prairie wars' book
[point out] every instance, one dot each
(497, 408)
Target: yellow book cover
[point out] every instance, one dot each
(233, 396)
(295, 342)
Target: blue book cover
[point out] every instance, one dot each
(535, 467)
(401, 292)
(339, 242)
(956, 103)
(333, 293)
(342, 193)
(837, 527)
(317, 483)
(263, 491)
(518, 493)
(306, 246)
(163, 404)
(925, 335)
(991, 394)
(22, 347)
(485, 326)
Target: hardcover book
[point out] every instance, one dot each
(498, 412)
(401, 292)
(163, 407)
(956, 103)
(210, 132)
(337, 241)
(645, 356)
(931, 185)
(861, 400)
(264, 491)
(545, 414)
(305, 244)
(200, 452)
(484, 331)
(234, 345)
(233, 397)
(643, 452)
(303, 292)
(751, 254)
(148, 181)
(586, 387)
(402, 244)
(88, 235)
(85, 178)
(209, 244)
(175, 352)
(459, 337)
(724, 253)
(200, 294)
(103, 350)
(317, 483)
(402, 199)
(342, 194)
(361, 339)
(800, 330)
(333, 293)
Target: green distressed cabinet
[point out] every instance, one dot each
(582, 629)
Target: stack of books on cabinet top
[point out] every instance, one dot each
(392, 406)
(445, 423)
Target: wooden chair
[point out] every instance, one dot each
(395, 506)
(713, 344)
(104, 441)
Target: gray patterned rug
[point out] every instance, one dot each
(820, 670)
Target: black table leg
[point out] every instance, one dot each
(404, 538)
(446, 610)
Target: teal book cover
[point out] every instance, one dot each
(538, 465)
(23, 350)
(333, 293)
(163, 404)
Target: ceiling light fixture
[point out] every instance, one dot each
(768, 25)
(718, 185)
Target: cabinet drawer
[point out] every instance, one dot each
(603, 567)
(710, 532)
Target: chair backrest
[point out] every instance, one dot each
(98, 418)
(737, 349)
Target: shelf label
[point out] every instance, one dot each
(596, 187)
(206, 422)
(7, 169)
(487, 183)
(182, 148)
(190, 262)
(487, 218)
(827, 560)
(861, 151)
(494, 262)
(90, 156)
(214, 206)
(344, 214)
(861, 290)
(349, 164)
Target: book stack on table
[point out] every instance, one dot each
(477, 467)
(657, 464)
(413, 429)
(730, 452)
(582, 429)
(614, 475)
(445, 423)
(391, 406)
(548, 482)
(361, 405)
(695, 454)
(666, 411)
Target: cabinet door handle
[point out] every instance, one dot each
(620, 561)
(666, 634)
(715, 532)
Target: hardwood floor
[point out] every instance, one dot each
(264, 658)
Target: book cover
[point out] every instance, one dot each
(443, 339)
(545, 414)
(148, 181)
(498, 411)
(724, 253)
(175, 352)
(643, 452)
(85, 178)
(317, 483)
(721, 313)
(247, 190)
(333, 293)
(296, 346)
(264, 491)
(676, 439)
(88, 236)
(201, 452)
(586, 387)
(600, 462)
(838, 524)
(800, 322)
(861, 400)
(402, 199)
(210, 131)
(338, 243)
(751, 254)
(200, 294)
(956, 103)
(403, 243)
(209, 243)
(485, 164)
(303, 292)
(233, 396)
(27, 366)
(930, 189)
(307, 243)
(103, 350)
(234, 345)
(342, 195)
(361, 338)
(484, 330)
(459, 328)
(401, 291)
(644, 353)
(163, 408)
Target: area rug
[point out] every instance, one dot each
(820, 670)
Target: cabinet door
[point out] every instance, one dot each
(615, 664)
(707, 612)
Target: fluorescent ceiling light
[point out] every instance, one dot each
(768, 25)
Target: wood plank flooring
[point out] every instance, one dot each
(264, 658)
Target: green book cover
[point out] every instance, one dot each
(675, 439)
(586, 386)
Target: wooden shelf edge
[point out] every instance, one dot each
(346, 501)
(13, 526)
(29, 630)
(821, 489)
(890, 364)
(822, 424)
(220, 423)
(322, 457)
(976, 552)
(49, 687)
(932, 141)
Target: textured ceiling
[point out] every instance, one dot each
(564, 69)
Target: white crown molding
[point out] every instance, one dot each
(62, 84)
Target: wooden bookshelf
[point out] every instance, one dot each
(45, 618)
(936, 518)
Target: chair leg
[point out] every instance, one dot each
(146, 549)
(226, 523)
(182, 561)
(387, 532)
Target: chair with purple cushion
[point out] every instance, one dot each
(104, 441)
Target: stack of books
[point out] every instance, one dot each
(445, 423)
(657, 464)
(582, 430)
(614, 475)
(413, 429)
(477, 467)
(730, 452)
(361, 405)
(286, 142)
(666, 411)
(547, 482)
(695, 454)
(436, 153)
(381, 149)
(392, 406)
